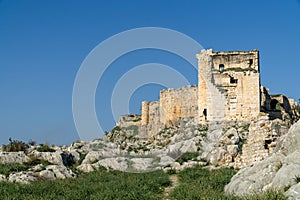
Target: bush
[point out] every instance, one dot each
(45, 148)
(187, 156)
(6, 169)
(15, 146)
(116, 129)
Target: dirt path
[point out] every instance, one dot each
(174, 183)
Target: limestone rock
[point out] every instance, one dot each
(94, 156)
(142, 164)
(293, 192)
(86, 168)
(13, 157)
(22, 177)
(117, 163)
(53, 172)
(166, 160)
(51, 157)
(2, 178)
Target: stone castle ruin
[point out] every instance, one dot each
(228, 89)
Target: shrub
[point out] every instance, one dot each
(297, 178)
(171, 171)
(187, 156)
(6, 169)
(45, 148)
(116, 129)
(15, 146)
(32, 143)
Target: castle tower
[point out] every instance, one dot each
(145, 113)
(228, 85)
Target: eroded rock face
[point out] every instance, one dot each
(22, 177)
(51, 157)
(13, 157)
(53, 172)
(278, 171)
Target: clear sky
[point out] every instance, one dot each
(43, 43)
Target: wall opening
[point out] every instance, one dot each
(250, 62)
(267, 143)
(221, 67)
(233, 80)
(205, 113)
(274, 104)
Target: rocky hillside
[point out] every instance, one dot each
(188, 144)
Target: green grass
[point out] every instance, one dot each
(94, 185)
(194, 183)
(199, 183)
(6, 169)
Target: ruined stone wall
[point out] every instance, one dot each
(129, 120)
(265, 99)
(229, 85)
(178, 103)
(173, 104)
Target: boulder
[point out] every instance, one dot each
(51, 157)
(117, 163)
(22, 177)
(86, 168)
(94, 156)
(166, 160)
(53, 172)
(141, 164)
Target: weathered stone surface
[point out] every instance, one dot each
(22, 177)
(94, 156)
(166, 160)
(118, 163)
(53, 172)
(257, 178)
(141, 164)
(51, 157)
(294, 192)
(13, 157)
(86, 168)
(2, 177)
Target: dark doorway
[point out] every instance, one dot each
(221, 67)
(205, 113)
(273, 104)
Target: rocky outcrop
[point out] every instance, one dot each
(280, 171)
(188, 144)
(13, 157)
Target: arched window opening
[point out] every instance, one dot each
(221, 67)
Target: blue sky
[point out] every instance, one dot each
(43, 43)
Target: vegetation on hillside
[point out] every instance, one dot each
(194, 183)
(94, 185)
